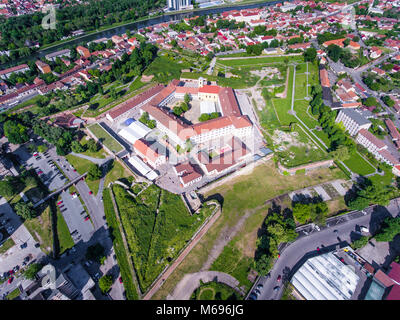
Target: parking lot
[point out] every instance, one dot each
(20, 235)
(76, 217)
(44, 167)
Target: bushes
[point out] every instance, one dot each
(119, 248)
(358, 244)
(105, 283)
(389, 229)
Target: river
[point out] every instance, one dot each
(133, 26)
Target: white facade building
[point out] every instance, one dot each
(324, 277)
(353, 121)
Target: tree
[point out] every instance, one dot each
(25, 210)
(94, 172)
(92, 145)
(341, 153)
(32, 271)
(95, 252)
(334, 52)
(358, 244)
(15, 132)
(389, 229)
(370, 102)
(301, 212)
(77, 147)
(10, 186)
(264, 264)
(310, 54)
(105, 283)
(186, 98)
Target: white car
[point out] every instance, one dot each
(364, 229)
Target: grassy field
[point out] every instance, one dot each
(117, 171)
(165, 69)
(120, 252)
(262, 60)
(105, 138)
(9, 243)
(154, 238)
(40, 229)
(358, 165)
(246, 193)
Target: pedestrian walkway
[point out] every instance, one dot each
(339, 188)
(191, 282)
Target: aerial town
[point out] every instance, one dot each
(200, 150)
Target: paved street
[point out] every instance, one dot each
(306, 246)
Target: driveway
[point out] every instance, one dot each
(191, 282)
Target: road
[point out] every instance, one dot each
(324, 238)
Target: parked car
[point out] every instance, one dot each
(279, 278)
(260, 286)
(10, 280)
(59, 202)
(364, 229)
(120, 279)
(87, 218)
(24, 245)
(90, 192)
(276, 288)
(253, 297)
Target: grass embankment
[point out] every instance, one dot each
(9, 243)
(119, 249)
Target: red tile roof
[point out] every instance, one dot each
(130, 103)
(323, 74)
(210, 89)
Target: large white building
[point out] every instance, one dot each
(325, 277)
(178, 4)
(353, 121)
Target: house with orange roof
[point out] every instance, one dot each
(43, 67)
(84, 52)
(150, 156)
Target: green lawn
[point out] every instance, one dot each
(82, 165)
(120, 252)
(165, 69)
(40, 229)
(105, 138)
(263, 60)
(9, 243)
(358, 165)
(116, 172)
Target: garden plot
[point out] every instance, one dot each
(294, 148)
